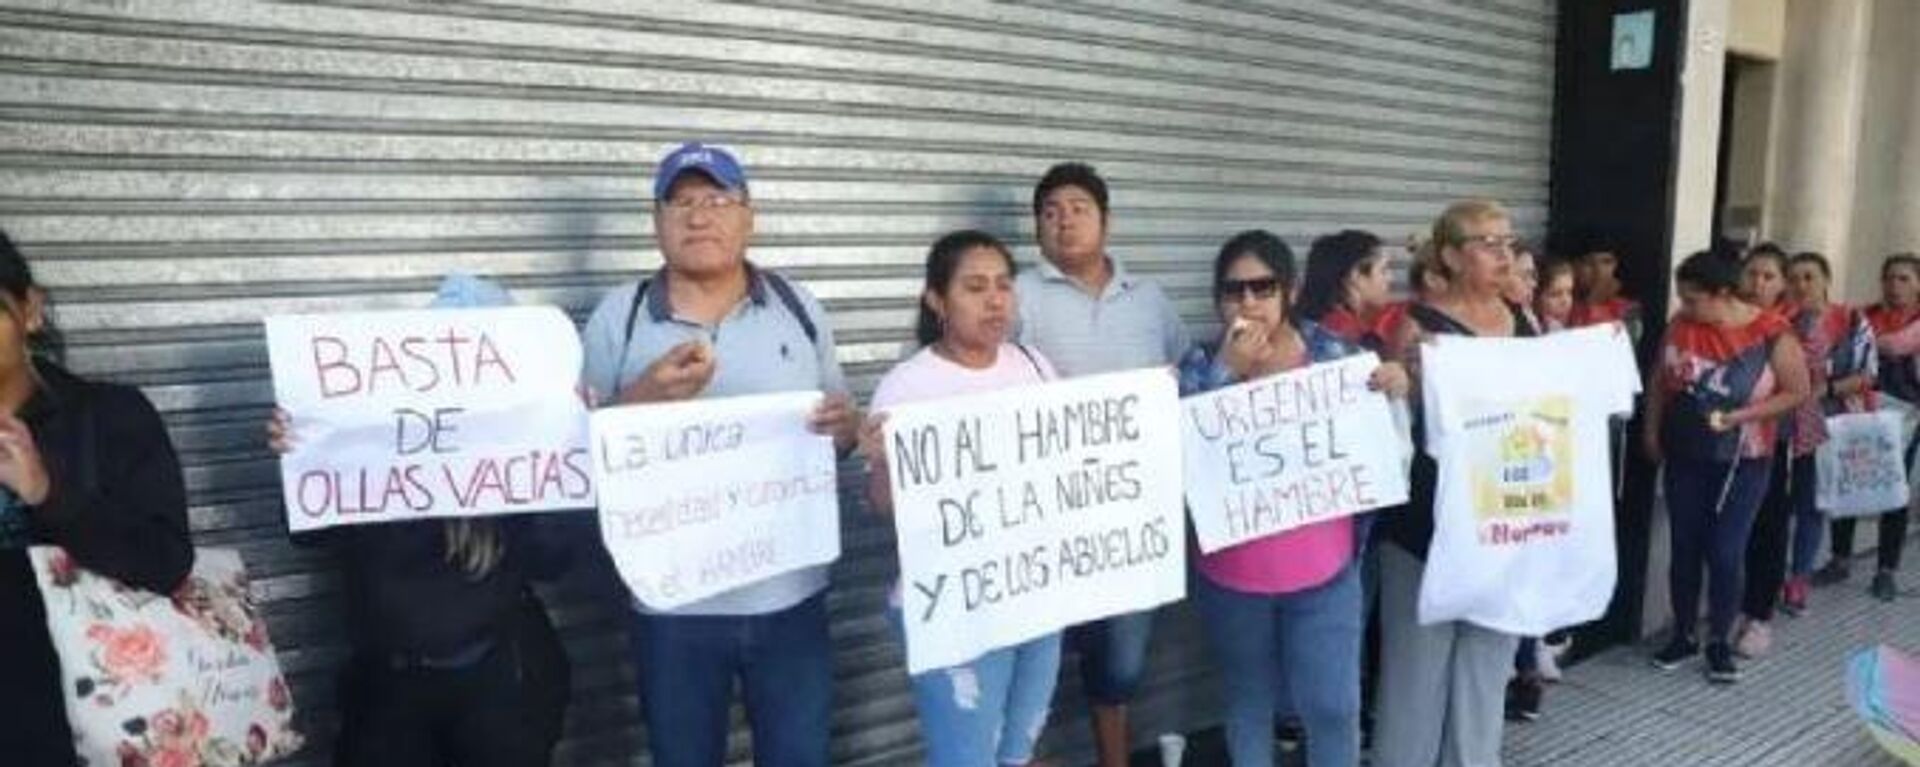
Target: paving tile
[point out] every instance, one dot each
(1789, 710)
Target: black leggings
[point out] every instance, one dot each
(504, 710)
(1893, 538)
(1789, 486)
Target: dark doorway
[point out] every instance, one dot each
(1615, 138)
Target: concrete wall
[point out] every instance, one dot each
(1750, 129)
(1888, 146)
(1757, 28)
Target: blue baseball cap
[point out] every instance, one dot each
(712, 161)
(459, 290)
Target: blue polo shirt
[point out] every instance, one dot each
(761, 348)
(1130, 325)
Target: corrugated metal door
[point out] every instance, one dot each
(179, 168)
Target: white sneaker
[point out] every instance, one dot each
(1546, 659)
(1755, 640)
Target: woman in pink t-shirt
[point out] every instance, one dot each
(989, 711)
(1284, 612)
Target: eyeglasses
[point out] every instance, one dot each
(1505, 242)
(1236, 290)
(682, 206)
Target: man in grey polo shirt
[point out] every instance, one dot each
(711, 324)
(1082, 310)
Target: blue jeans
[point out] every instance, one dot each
(1711, 506)
(988, 711)
(1113, 656)
(1304, 646)
(1808, 523)
(687, 667)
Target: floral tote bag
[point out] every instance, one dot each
(183, 680)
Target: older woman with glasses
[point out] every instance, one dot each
(1443, 685)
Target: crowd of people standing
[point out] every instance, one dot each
(456, 662)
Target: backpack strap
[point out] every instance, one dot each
(785, 291)
(626, 341)
(1038, 371)
(633, 311)
(781, 288)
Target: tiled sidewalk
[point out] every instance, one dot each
(1790, 710)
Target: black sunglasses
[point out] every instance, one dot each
(1262, 288)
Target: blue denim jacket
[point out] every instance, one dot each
(1201, 370)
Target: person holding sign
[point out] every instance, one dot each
(1283, 612)
(1727, 371)
(1347, 290)
(85, 466)
(1081, 307)
(1442, 686)
(989, 711)
(1897, 336)
(455, 660)
(710, 324)
(1346, 286)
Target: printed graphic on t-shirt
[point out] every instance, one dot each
(1522, 462)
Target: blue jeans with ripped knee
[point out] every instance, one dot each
(988, 711)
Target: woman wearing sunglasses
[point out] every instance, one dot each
(1283, 613)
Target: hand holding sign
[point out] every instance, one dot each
(1391, 379)
(836, 417)
(681, 373)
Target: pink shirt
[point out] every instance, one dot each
(928, 376)
(1283, 563)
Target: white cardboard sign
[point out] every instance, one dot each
(1270, 455)
(417, 414)
(1024, 511)
(702, 497)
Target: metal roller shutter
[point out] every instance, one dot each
(177, 169)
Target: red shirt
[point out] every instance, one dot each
(1707, 367)
(1390, 318)
(1782, 309)
(1350, 328)
(1888, 320)
(1616, 309)
(1895, 333)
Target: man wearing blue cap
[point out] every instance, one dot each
(709, 323)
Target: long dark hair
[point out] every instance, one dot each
(17, 289)
(1263, 245)
(943, 259)
(1330, 260)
